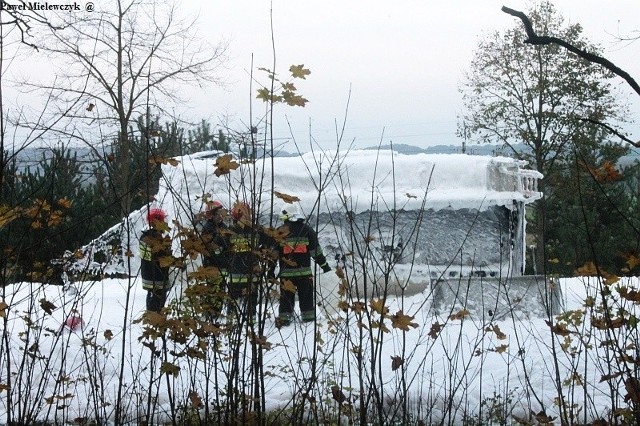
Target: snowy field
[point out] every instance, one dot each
(462, 361)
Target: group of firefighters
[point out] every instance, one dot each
(242, 256)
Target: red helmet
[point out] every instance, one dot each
(156, 214)
(241, 210)
(212, 206)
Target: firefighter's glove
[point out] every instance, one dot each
(325, 267)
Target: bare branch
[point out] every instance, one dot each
(535, 39)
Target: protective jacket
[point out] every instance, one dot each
(154, 246)
(297, 248)
(247, 255)
(213, 234)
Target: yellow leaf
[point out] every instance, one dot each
(379, 307)
(502, 348)
(632, 260)
(402, 321)
(8, 214)
(225, 164)
(358, 307)
(170, 368)
(343, 305)
(64, 203)
(587, 270)
(287, 285)
(292, 99)
(299, 71)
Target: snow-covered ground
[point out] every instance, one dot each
(469, 359)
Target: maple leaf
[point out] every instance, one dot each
(204, 273)
(396, 362)
(337, 394)
(587, 270)
(461, 314)
(499, 334)
(607, 173)
(8, 214)
(436, 328)
(289, 199)
(378, 306)
(632, 385)
(343, 305)
(169, 368)
(64, 203)
(632, 261)
(559, 329)
(47, 306)
(632, 295)
(196, 401)
(381, 325)
(264, 94)
(358, 307)
(291, 99)
(225, 164)
(402, 321)
(157, 159)
(299, 71)
(501, 349)
(287, 285)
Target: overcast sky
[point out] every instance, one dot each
(401, 62)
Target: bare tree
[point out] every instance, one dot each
(120, 62)
(534, 39)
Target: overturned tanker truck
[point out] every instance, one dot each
(450, 227)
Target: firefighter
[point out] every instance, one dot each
(213, 234)
(155, 246)
(297, 246)
(249, 256)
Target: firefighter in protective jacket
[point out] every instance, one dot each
(249, 258)
(298, 245)
(154, 246)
